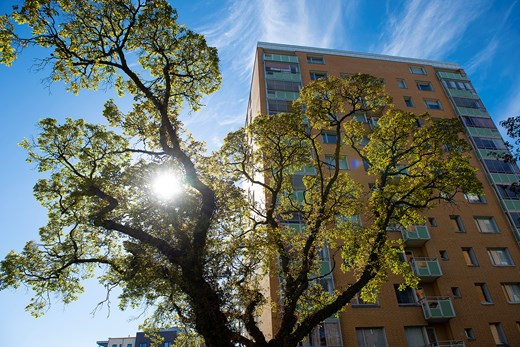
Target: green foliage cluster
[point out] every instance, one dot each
(199, 259)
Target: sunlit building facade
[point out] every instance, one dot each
(466, 256)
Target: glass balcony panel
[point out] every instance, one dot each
(427, 269)
(451, 75)
(437, 308)
(416, 236)
(462, 93)
(324, 268)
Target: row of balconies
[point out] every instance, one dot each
(427, 269)
(435, 309)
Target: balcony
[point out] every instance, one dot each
(450, 343)
(452, 75)
(462, 93)
(437, 308)
(427, 269)
(466, 111)
(417, 236)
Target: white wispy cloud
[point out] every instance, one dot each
(300, 22)
(240, 26)
(429, 29)
(485, 55)
(512, 103)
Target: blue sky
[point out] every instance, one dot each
(483, 36)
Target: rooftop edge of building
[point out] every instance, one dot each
(295, 48)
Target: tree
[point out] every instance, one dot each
(512, 126)
(198, 259)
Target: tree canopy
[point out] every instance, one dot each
(198, 259)
(512, 127)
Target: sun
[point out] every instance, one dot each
(166, 185)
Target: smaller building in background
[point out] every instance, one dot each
(117, 342)
(141, 340)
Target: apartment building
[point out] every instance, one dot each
(141, 339)
(467, 255)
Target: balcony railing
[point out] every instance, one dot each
(427, 269)
(416, 236)
(462, 93)
(454, 76)
(437, 308)
(450, 343)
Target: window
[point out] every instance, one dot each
(354, 220)
(358, 301)
(456, 292)
(330, 161)
(360, 117)
(326, 284)
(401, 83)
(318, 75)
(406, 296)
(432, 221)
(477, 122)
(277, 106)
(417, 70)
(416, 337)
(286, 86)
(406, 256)
(371, 337)
(272, 67)
(510, 192)
(500, 257)
(515, 219)
(483, 293)
(469, 333)
(453, 84)
(469, 103)
(325, 334)
(142, 345)
(167, 344)
(315, 60)
(457, 223)
(469, 256)
(498, 334)
(422, 85)
(475, 199)
(512, 292)
(329, 137)
(408, 101)
(489, 143)
(433, 104)
(500, 166)
(373, 122)
(129, 345)
(114, 345)
(366, 164)
(444, 255)
(486, 224)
